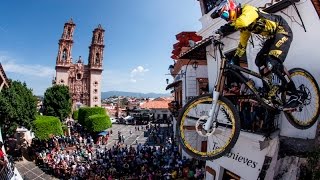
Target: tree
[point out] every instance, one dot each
(18, 107)
(85, 112)
(57, 102)
(98, 123)
(46, 126)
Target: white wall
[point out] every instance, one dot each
(161, 112)
(191, 80)
(246, 158)
(304, 53)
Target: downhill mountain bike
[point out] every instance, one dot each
(209, 125)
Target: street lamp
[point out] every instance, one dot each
(171, 68)
(195, 65)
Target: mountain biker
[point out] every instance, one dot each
(249, 19)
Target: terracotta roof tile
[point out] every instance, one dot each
(162, 104)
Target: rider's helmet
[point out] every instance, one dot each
(228, 10)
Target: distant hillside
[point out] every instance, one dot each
(132, 94)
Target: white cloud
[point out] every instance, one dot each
(10, 65)
(137, 73)
(37, 77)
(117, 80)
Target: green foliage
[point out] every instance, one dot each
(18, 107)
(46, 126)
(75, 115)
(85, 112)
(94, 119)
(98, 123)
(57, 102)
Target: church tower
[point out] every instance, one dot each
(95, 65)
(83, 80)
(64, 58)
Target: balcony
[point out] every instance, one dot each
(7, 171)
(254, 118)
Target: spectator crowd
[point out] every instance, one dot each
(77, 157)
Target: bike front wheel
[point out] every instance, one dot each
(208, 145)
(307, 114)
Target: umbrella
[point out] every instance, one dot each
(103, 133)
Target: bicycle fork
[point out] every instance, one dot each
(212, 113)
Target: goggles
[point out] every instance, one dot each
(225, 15)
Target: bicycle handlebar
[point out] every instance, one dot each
(216, 41)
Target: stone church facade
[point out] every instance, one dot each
(83, 80)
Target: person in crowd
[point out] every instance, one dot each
(3, 160)
(84, 161)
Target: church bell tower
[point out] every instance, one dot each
(65, 44)
(95, 65)
(64, 58)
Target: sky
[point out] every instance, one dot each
(139, 35)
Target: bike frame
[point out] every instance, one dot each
(218, 89)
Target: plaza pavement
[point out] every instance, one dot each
(28, 170)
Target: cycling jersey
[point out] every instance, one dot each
(256, 21)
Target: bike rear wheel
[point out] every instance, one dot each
(208, 146)
(308, 114)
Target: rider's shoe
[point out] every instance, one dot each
(293, 102)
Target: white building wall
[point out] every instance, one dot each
(190, 89)
(245, 162)
(160, 112)
(304, 54)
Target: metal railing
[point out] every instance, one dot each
(7, 171)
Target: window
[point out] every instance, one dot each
(61, 81)
(69, 33)
(203, 85)
(95, 91)
(211, 172)
(79, 76)
(229, 175)
(95, 83)
(95, 99)
(64, 54)
(97, 59)
(99, 37)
